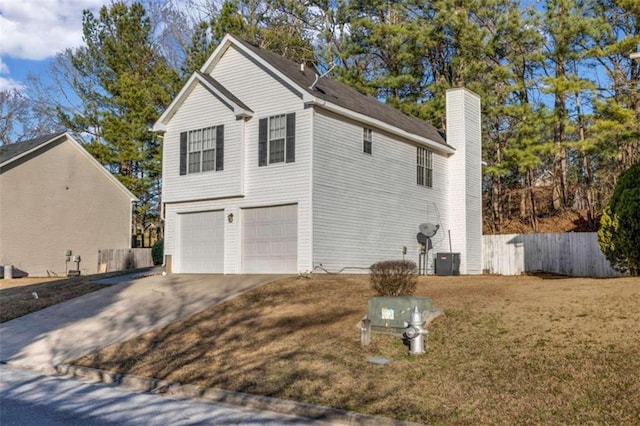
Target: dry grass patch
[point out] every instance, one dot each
(16, 295)
(508, 350)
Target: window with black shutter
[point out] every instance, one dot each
(183, 153)
(202, 150)
(277, 139)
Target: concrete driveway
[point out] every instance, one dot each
(69, 330)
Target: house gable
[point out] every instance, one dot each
(58, 198)
(216, 89)
(13, 152)
(331, 94)
(263, 64)
(244, 184)
(201, 110)
(13, 155)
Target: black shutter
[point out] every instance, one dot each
(291, 137)
(262, 142)
(220, 148)
(183, 153)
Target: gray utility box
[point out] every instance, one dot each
(389, 313)
(448, 264)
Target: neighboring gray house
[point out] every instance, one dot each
(270, 169)
(54, 197)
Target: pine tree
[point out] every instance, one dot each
(569, 27)
(125, 85)
(274, 25)
(615, 131)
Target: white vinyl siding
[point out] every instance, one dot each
(202, 110)
(424, 167)
(367, 208)
(465, 177)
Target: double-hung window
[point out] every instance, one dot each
(425, 167)
(202, 150)
(276, 139)
(367, 140)
(277, 135)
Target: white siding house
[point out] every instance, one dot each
(267, 170)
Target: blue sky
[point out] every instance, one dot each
(33, 31)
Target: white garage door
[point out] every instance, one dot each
(270, 240)
(200, 243)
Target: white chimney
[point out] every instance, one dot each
(465, 178)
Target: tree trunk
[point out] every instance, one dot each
(496, 191)
(496, 205)
(560, 158)
(587, 192)
(533, 214)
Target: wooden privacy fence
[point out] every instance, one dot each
(110, 260)
(576, 254)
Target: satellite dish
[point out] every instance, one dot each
(422, 239)
(428, 229)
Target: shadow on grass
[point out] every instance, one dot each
(501, 354)
(66, 331)
(264, 342)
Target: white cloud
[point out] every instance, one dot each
(38, 29)
(10, 84)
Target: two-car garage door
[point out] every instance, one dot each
(269, 241)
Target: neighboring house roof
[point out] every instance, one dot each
(345, 96)
(14, 151)
(325, 93)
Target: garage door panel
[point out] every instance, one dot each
(201, 242)
(277, 249)
(270, 240)
(277, 230)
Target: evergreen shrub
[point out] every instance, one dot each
(157, 252)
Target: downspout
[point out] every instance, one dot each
(312, 116)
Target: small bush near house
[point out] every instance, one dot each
(394, 277)
(157, 252)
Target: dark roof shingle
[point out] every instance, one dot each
(347, 97)
(12, 150)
